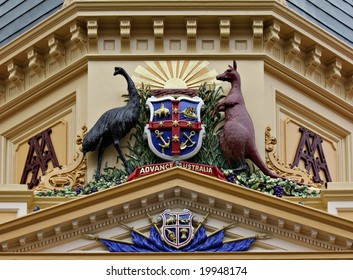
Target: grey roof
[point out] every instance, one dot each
(335, 16)
(17, 16)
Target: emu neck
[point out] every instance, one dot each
(130, 86)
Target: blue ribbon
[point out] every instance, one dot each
(200, 243)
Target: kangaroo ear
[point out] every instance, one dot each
(234, 64)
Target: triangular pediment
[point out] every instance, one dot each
(293, 227)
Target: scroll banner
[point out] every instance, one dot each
(197, 167)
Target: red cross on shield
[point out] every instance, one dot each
(174, 131)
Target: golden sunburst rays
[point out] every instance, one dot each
(174, 74)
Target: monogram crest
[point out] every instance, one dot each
(41, 152)
(177, 230)
(174, 131)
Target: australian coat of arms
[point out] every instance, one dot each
(174, 130)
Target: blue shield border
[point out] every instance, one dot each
(159, 129)
(177, 230)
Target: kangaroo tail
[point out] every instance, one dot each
(257, 160)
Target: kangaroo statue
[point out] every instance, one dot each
(237, 140)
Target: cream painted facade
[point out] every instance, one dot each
(59, 75)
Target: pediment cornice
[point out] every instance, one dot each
(177, 188)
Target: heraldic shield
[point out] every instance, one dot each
(177, 230)
(174, 131)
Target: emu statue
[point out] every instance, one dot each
(114, 125)
(237, 139)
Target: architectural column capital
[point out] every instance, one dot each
(79, 36)
(36, 61)
(258, 34)
(333, 72)
(313, 59)
(92, 34)
(272, 34)
(292, 48)
(57, 49)
(16, 74)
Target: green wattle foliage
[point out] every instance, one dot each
(210, 152)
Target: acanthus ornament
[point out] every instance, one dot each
(72, 175)
(277, 165)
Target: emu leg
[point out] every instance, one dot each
(121, 155)
(103, 145)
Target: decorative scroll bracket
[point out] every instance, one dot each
(71, 175)
(282, 169)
